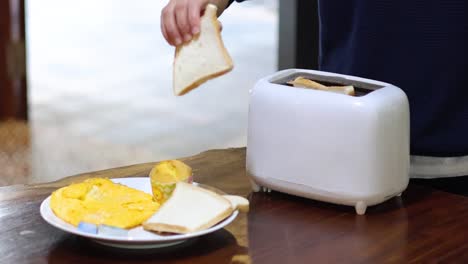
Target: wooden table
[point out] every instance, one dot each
(422, 225)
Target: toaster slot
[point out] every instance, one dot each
(360, 88)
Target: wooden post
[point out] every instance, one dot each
(298, 34)
(13, 92)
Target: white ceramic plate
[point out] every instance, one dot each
(137, 238)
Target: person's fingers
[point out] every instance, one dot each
(182, 21)
(194, 14)
(163, 29)
(170, 25)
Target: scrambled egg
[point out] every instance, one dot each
(100, 201)
(165, 175)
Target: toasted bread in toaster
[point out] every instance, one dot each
(348, 89)
(203, 58)
(307, 83)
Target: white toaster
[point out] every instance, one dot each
(337, 148)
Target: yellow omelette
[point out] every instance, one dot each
(100, 201)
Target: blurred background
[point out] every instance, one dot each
(97, 76)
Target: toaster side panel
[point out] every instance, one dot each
(392, 146)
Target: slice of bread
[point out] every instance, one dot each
(238, 203)
(307, 83)
(203, 58)
(348, 89)
(189, 209)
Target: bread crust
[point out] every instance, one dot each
(227, 57)
(168, 228)
(238, 203)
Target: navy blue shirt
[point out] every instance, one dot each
(418, 45)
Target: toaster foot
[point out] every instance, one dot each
(360, 208)
(255, 187)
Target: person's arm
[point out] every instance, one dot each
(180, 19)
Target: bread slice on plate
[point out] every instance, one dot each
(238, 203)
(189, 209)
(203, 58)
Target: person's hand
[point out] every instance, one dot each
(180, 19)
